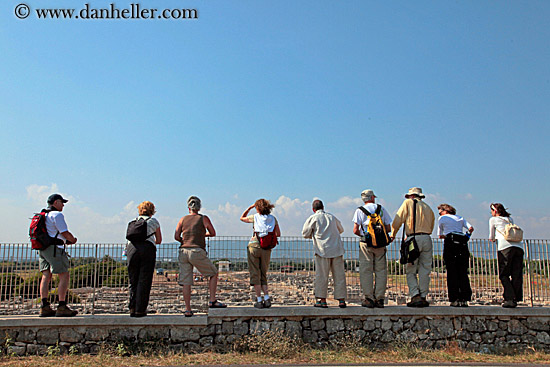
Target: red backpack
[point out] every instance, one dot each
(268, 241)
(40, 240)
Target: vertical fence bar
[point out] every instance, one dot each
(291, 275)
(529, 274)
(95, 275)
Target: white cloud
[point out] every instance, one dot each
(346, 202)
(39, 194)
(434, 199)
(92, 225)
(468, 196)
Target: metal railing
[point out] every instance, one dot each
(99, 277)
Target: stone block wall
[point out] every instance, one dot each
(486, 330)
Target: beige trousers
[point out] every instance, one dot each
(373, 271)
(422, 266)
(323, 266)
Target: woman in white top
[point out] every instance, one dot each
(258, 258)
(141, 261)
(455, 254)
(510, 256)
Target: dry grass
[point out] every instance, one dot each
(271, 348)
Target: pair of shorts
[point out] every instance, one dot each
(56, 264)
(194, 257)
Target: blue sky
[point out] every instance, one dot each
(278, 99)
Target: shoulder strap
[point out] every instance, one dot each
(148, 228)
(414, 216)
(378, 209)
(367, 213)
(362, 208)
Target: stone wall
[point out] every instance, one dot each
(483, 329)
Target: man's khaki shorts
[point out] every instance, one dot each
(194, 257)
(56, 264)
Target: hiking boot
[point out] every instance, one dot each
(267, 303)
(509, 304)
(379, 303)
(46, 311)
(464, 304)
(65, 311)
(367, 302)
(455, 304)
(424, 302)
(416, 301)
(259, 304)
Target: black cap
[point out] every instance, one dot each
(53, 197)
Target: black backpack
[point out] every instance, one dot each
(137, 230)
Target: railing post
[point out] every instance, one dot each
(95, 277)
(529, 275)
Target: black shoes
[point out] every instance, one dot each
(510, 304)
(367, 302)
(418, 302)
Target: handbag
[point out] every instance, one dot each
(409, 248)
(512, 232)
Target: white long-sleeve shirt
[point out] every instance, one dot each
(324, 229)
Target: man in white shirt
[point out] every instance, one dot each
(371, 260)
(325, 230)
(54, 259)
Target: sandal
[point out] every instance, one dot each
(321, 304)
(188, 313)
(216, 304)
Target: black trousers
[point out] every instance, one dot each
(510, 273)
(141, 266)
(456, 258)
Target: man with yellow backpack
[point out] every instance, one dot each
(372, 223)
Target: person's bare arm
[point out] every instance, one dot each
(71, 240)
(277, 230)
(356, 230)
(210, 231)
(177, 234)
(158, 236)
(244, 216)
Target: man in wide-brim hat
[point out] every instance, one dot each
(418, 272)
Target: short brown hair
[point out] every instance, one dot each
(263, 206)
(317, 205)
(448, 208)
(146, 208)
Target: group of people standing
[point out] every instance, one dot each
(324, 229)
(418, 221)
